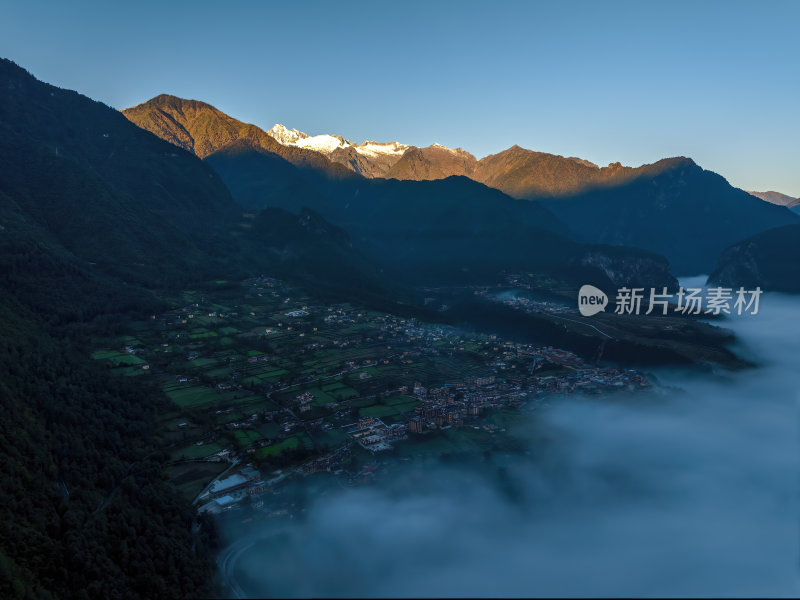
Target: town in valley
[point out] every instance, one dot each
(269, 385)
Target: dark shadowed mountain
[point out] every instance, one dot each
(673, 207)
(89, 205)
(78, 174)
(768, 259)
(441, 231)
(308, 248)
(90, 183)
(776, 198)
(258, 178)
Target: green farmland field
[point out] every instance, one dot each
(246, 437)
(190, 397)
(194, 451)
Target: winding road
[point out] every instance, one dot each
(227, 559)
(582, 323)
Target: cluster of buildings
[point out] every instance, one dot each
(374, 435)
(329, 462)
(560, 357)
(242, 424)
(304, 401)
(510, 376)
(223, 493)
(450, 405)
(340, 316)
(593, 381)
(532, 304)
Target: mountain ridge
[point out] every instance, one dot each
(776, 198)
(671, 207)
(203, 129)
(519, 172)
(453, 229)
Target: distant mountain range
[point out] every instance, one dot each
(777, 198)
(419, 231)
(672, 207)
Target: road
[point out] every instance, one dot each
(210, 483)
(582, 323)
(227, 559)
(315, 380)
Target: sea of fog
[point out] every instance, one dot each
(692, 493)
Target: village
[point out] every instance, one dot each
(270, 385)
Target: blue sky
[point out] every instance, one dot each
(606, 81)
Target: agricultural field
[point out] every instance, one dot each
(118, 358)
(247, 437)
(196, 450)
(234, 364)
(192, 477)
(192, 396)
(300, 440)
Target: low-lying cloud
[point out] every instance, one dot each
(692, 493)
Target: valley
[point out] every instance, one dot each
(247, 361)
(269, 383)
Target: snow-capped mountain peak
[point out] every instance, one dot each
(326, 144)
(321, 143)
(372, 148)
(447, 148)
(369, 158)
(287, 137)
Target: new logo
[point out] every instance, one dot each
(591, 300)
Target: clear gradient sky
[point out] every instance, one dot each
(607, 81)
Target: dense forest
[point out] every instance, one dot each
(86, 512)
